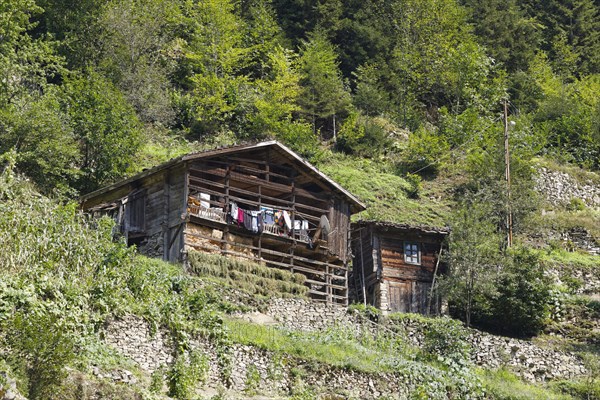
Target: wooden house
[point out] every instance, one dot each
(261, 202)
(395, 266)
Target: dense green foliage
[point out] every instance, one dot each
(416, 82)
(63, 275)
(400, 101)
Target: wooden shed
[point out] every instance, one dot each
(261, 202)
(395, 266)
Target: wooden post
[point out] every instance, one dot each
(259, 210)
(362, 269)
(437, 264)
(225, 244)
(507, 176)
(166, 206)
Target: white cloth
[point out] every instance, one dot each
(234, 211)
(254, 220)
(287, 219)
(205, 200)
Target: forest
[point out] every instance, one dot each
(92, 91)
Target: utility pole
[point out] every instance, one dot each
(507, 176)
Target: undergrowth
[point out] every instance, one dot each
(562, 221)
(64, 271)
(504, 385)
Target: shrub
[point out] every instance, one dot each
(40, 350)
(424, 152)
(522, 306)
(416, 185)
(446, 340)
(362, 135)
(184, 375)
(576, 204)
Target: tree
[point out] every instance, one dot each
(39, 131)
(522, 305)
(135, 37)
(263, 36)
(105, 126)
(577, 22)
(509, 35)
(473, 258)
(74, 24)
(26, 63)
(213, 56)
(324, 96)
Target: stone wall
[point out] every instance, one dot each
(529, 361)
(309, 316)
(133, 338)
(526, 359)
(277, 374)
(559, 188)
(580, 281)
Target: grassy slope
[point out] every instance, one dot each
(384, 191)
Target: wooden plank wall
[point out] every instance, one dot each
(176, 214)
(363, 264)
(262, 179)
(409, 284)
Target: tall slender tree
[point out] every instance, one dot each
(324, 96)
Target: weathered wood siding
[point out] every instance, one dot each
(391, 283)
(187, 204)
(163, 197)
(265, 178)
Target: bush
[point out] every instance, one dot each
(522, 306)
(576, 204)
(362, 135)
(184, 375)
(416, 185)
(424, 152)
(40, 350)
(445, 340)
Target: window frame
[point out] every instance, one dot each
(409, 259)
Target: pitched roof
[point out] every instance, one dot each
(404, 227)
(358, 205)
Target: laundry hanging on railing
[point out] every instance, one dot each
(268, 215)
(255, 221)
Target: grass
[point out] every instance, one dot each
(572, 260)
(333, 348)
(504, 385)
(562, 221)
(385, 192)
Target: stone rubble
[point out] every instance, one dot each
(559, 188)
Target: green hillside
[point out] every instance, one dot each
(402, 102)
(63, 276)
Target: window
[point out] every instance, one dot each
(412, 253)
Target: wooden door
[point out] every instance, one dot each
(400, 296)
